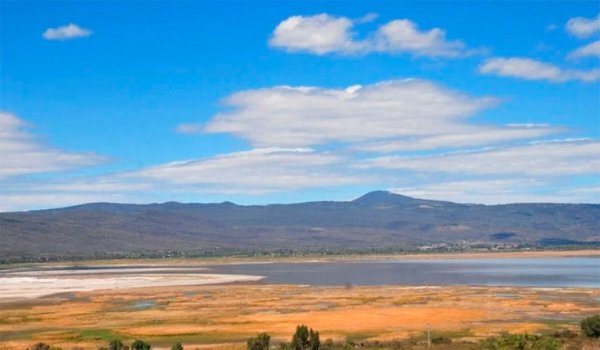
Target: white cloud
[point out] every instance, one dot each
(253, 171)
(319, 34)
(485, 191)
(22, 153)
(582, 27)
(404, 36)
(69, 31)
(547, 159)
(368, 18)
(526, 68)
(324, 34)
(500, 191)
(589, 50)
(301, 116)
(469, 136)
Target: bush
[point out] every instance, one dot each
(115, 345)
(565, 333)
(328, 344)
(140, 345)
(260, 342)
(441, 340)
(521, 342)
(590, 326)
(40, 346)
(177, 346)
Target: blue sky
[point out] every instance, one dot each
(261, 102)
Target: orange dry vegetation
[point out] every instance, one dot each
(224, 316)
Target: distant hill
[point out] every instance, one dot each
(376, 222)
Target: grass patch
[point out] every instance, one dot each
(198, 338)
(16, 335)
(357, 337)
(97, 334)
(463, 333)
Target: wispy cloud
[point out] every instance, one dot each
(529, 69)
(546, 159)
(66, 32)
(589, 50)
(469, 136)
(22, 153)
(582, 27)
(254, 171)
(324, 34)
(190, 128)
(499, 191)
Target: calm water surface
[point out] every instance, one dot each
(536, 272)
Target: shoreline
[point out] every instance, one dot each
(207, 261)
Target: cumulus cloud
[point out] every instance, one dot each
(582, 27)
(404, 36)
(559, 158)
(324, 34)
(22, 153)
(528, 69)
(254, 171)
(319, 34)
(589, 50)
(69, 31)
(302, 116)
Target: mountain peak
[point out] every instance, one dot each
(383, 197)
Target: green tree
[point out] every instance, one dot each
(140, 345)
(260, 342)
(300, 338)
(305, 339)
(314, 340)
(115, 344)
(591, 326)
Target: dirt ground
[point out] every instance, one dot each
(224, 316)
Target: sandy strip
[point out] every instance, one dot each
(29, 287)
(100, 271)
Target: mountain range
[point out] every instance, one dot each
(379, 221)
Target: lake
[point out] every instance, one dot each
(35, 282)
(534, 272)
